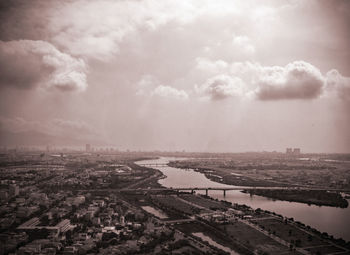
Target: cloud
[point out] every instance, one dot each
(244, 44)
(53, 127)
(207, 65)
(21, 131)
(221, 87)
(75, 28)
(338, 83)
(297, 80)
(170, 92)
(150, 86)
(146, 84)
(26, 64)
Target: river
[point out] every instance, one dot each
(334, 221)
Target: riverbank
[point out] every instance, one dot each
(333, 220)
(320, 198)
(222, 176)
(240, 228)
(316, 197)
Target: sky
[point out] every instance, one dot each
(194, 75)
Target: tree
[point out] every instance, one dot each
(309, 238)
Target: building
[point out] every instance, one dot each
(30, 223)
(296, 151)
(293, 151)
(78, 200)
(88, 147)
(64, 225)
(13, 190)
(3, 195)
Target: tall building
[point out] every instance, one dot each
(296, 151)
(289, 151)
(88, 147)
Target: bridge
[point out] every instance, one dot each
(153, 165)
(224, 189)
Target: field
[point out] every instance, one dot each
(174, 204)
(297, 236)
(207, 203)
(217, 235)
(250, 237)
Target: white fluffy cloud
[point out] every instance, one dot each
(95, 29)
(170, 92)
(221, 87)
(27, 64)
(74, 26)
(244, 44)
(150, 86)
(297, 80)
(338, 83)
(207, 65)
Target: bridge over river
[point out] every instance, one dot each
(153, 165)
(224, 189)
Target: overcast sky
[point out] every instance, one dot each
(223, 76)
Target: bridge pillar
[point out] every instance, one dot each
(192, 191)
(206, 192)
(224, 193)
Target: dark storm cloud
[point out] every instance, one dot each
(26, 64)
(21, 19)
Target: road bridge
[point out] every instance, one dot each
(153, 165)
(224, 189)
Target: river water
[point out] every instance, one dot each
(334, 221)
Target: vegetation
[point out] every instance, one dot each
(317, 197)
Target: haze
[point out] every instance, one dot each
(218, 76)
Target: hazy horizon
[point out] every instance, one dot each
(215, 76)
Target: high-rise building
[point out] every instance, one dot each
(296, 151)
(289, 151)
(88, 147)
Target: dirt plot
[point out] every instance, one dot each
(325, 250)
(254, 239)
(142, 200)
(215, 234)
(192, 227)
(204, 202)
(290, 233)
(175, 204)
